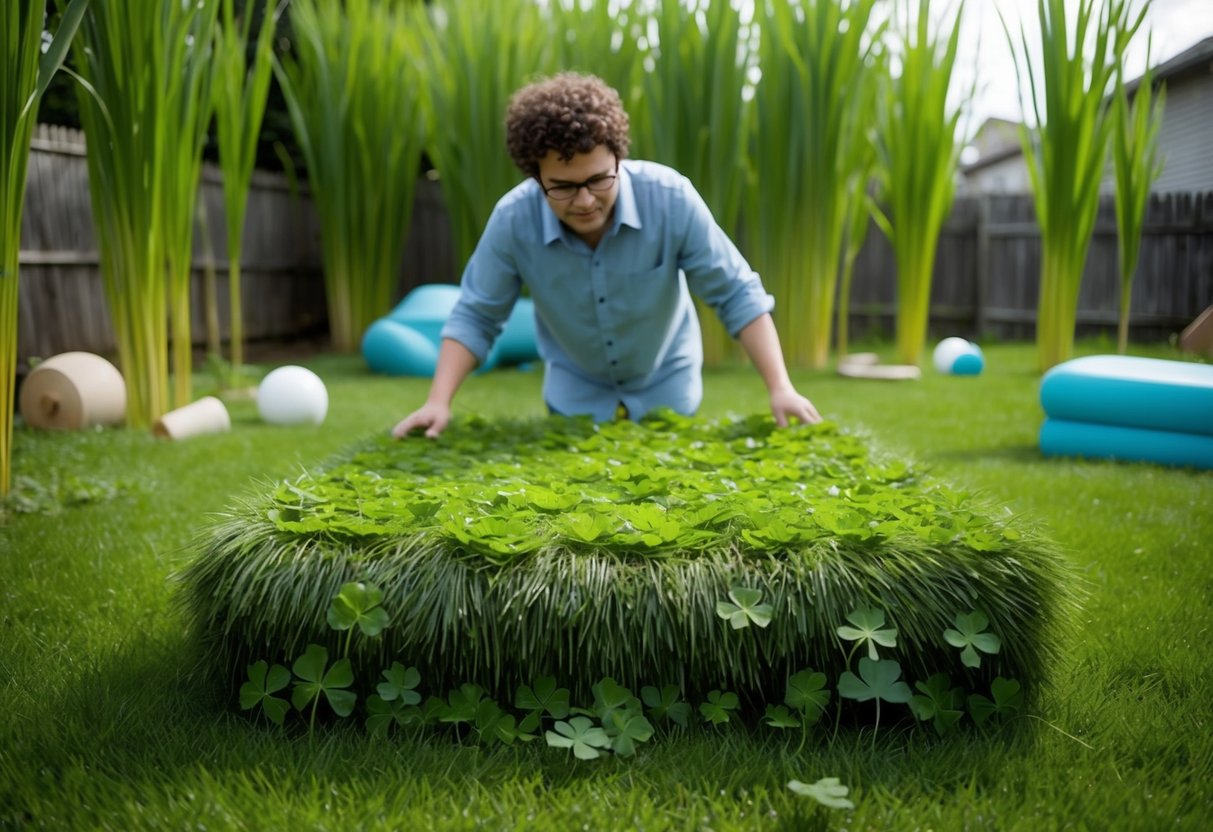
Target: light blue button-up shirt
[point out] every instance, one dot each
(614, 324)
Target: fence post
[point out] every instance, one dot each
(983, 264)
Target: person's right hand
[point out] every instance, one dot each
(432, 416)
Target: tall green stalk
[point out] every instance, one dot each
(25, 73)
(603, 39)
(693, 114)
(188, 82)
(813, 55)
(919, 153)
(1067, 147)
(1137, 164)
(241, 92)
(354, 95)
(480, 52)
(142, 64)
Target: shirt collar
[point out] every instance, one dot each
(626, 212)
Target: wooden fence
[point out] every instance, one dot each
(985, 285)
(987, 271)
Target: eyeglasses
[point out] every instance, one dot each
(595, 184)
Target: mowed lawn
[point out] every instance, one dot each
(102, 726)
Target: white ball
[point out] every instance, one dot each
(948, 350)
(292, 395)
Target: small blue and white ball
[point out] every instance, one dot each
(958, 357)
(292, 395)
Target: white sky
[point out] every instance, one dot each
(983, 51)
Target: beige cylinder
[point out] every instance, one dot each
(74, 390)
(207, 415)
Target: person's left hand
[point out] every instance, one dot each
(786, 404)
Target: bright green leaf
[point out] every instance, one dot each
(827, 791)
(868, 622)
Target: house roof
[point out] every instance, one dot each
(1194, 57)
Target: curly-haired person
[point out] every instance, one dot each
(611, 250)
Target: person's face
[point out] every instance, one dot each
(589, 210)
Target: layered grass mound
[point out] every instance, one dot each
(509, 550)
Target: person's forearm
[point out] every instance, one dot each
(761, 343)
(455, 362)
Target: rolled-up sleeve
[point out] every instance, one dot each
(490, 287)
(716, 271)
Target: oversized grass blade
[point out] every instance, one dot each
(241, 91)
(813, 55)
(478, 53)
(919, 152)
(144, 103)
(1066, 148)
(1137, 164)
(25, 73)
(694, 114)
(188, 84)
(353, 90)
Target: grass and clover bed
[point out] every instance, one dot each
(509, 551)
(105, 726)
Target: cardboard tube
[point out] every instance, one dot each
(207, 415)
(73, 390)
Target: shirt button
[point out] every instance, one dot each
(602, 300)
(610, 343)
(613, 363)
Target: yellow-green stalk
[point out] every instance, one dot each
(138, 62)
(1066, 148)
(187, 85)
(479, 52)
(353, 89)
(693, 115)
(812, 55)
(919, 152)
(25, 73)
(1137, 164)
(607, 39)
(240, 95)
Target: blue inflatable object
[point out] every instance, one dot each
(1127, 391)
(405, 342)
(1062, 438)
(969, 364)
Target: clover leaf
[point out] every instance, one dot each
(493, 723)
(778, 716)
(628, 728)
(877, 680)
(263, 682)
(579, 734)
(358, 603)
(399, 685)
(382, 713)
(939, 703)
(807, 693)
(542, 696)
(745, 608)
(462, 704)
(827, 791)
(1008, 700)
(666, 704)
(716, 709)
(868, 622)
(434, 709)
(968, 634)
(318, 682)
(609, 697)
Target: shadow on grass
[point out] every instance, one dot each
(129, 733)
(1017, 454)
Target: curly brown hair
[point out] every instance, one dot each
(569, 113)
